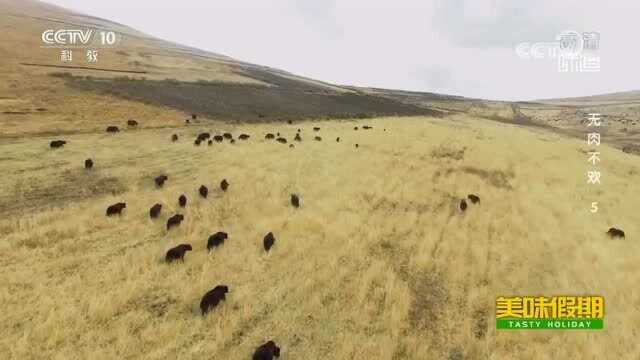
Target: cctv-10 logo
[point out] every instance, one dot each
(79, 38)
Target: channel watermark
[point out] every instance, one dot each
(79, 38)
(87, 41)
(574, 51)
(551, 313)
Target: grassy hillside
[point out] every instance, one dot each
(377, 263)
(142, 78)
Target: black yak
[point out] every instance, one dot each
(160, 180)
(116, 209)
(473, 198)
(154, 212)
(268, 241)
(266, 351)
(212, 298)
(295, 201)
(615, 233)
(57, 144)
(203, 191)
(216, 239)
(177, 253)
(463, 205)
(174, 221)
(203, 136)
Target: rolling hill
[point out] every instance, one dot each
(152, 80)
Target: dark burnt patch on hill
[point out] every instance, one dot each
(283, 99)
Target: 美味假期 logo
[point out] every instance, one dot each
(555, 312)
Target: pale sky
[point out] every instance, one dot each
(460, 47)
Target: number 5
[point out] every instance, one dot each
(594, 207)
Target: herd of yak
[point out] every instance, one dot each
(213, 297)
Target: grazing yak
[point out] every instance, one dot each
(174, 221)
(269, 136)
(463, 205)
(203, 191)
(473, 198)
(357, 146)
(297, 138)
(615, 233)
(338, 139)
(366, 127)
(174, 137)
(317, 138)
(210, 142)
(216, 239)
(160, 180)
(154, 212)
(132, 123)
(57, 144)
(266, 351)
(295, 201)
(177, 253)
(88, 164)
(212, 298)
(243, 137)
(355, 128)
(268, 241)
(316, 129)
(227, 136)
(182, 200)
(232, 141)
(116, 209)
(112, 129)
(197, 142)
(224, 185)
(281, 140)
(194, 116)
(291, 146)
(218, 138)
(203, 136)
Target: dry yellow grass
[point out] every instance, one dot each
(376, 264)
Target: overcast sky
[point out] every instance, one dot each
(462, 47)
